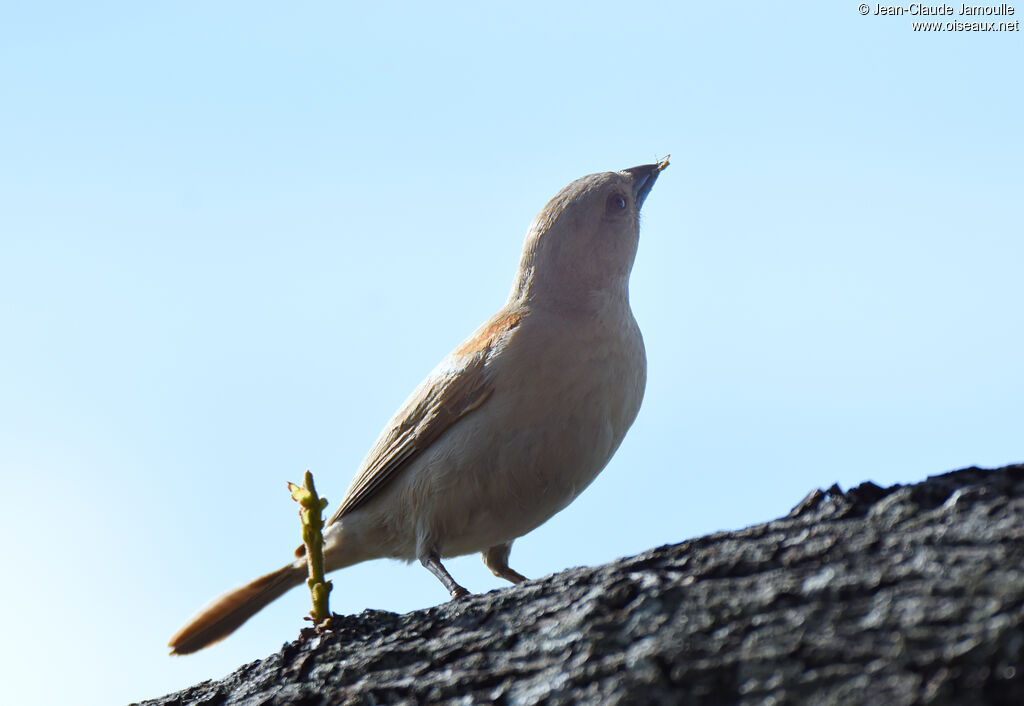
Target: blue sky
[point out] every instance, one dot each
(234, 236)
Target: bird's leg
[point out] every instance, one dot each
(432, 562)
(496, 559)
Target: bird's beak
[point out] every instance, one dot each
(644, 178)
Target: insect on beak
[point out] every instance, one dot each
(644, 178)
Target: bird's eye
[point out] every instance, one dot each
(616, 203)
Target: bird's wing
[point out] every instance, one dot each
(454, 389)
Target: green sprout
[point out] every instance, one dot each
(311, 505)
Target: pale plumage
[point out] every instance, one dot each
(512, 425)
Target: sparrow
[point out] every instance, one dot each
(511, 426)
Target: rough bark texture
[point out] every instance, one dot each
(902, 595)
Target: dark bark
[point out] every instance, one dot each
(902, 595)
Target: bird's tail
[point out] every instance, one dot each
(227, 613)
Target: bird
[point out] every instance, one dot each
(511, 426)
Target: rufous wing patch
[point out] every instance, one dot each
(489, 333)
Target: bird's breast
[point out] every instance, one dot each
(563, 418)
(565, 393)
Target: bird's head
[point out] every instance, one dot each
(584, 241)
